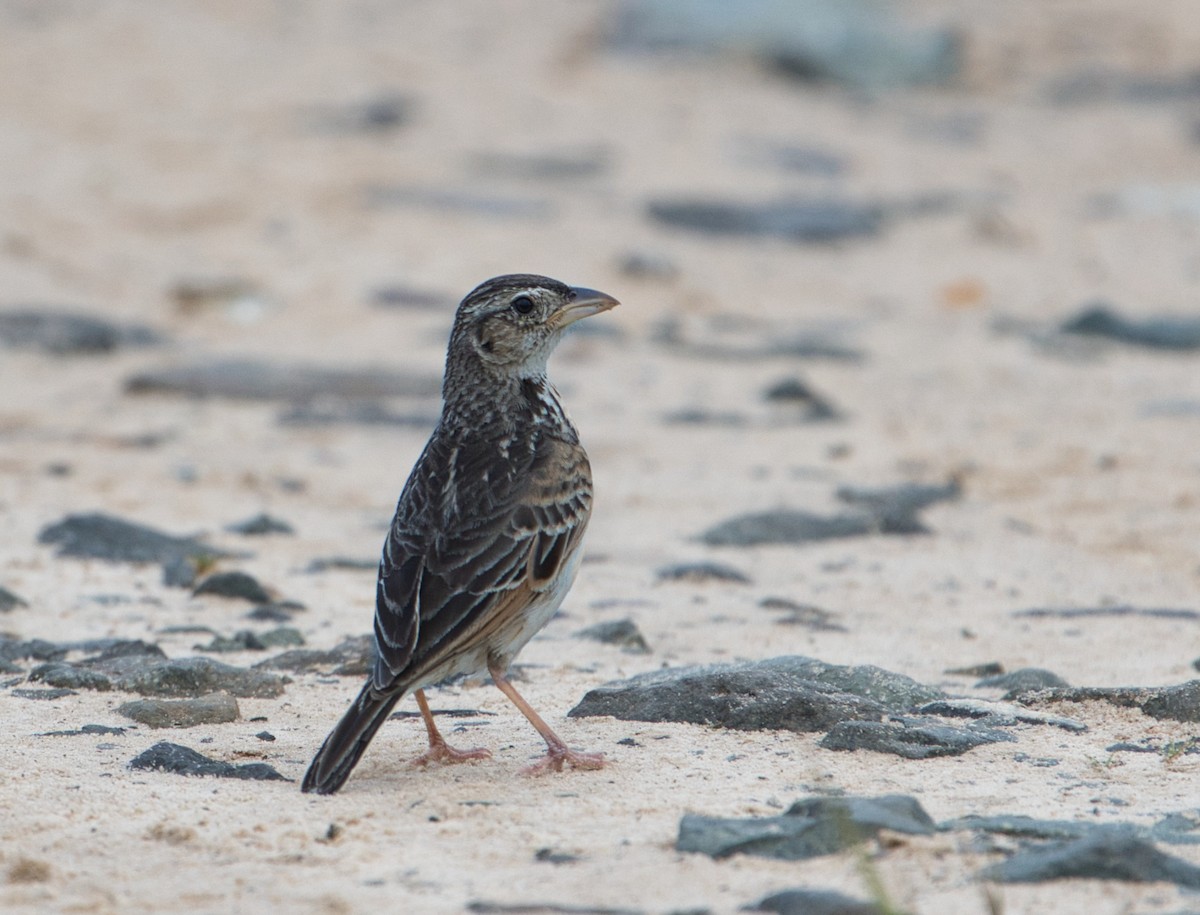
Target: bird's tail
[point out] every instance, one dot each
(340, 752)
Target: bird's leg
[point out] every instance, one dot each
(557, 752)
(440, 751)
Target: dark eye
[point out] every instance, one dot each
(522, 304)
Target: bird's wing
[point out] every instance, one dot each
(481, 528)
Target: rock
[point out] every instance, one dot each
(810, 828)
(246, 640)
(570, 165)
(786, 526)
(325, 563)
(235, 585)
(787, 693)
(781, 343)
(379, 114)
(69, 333)
(44, 694)
(1022, 680)
(622, 633)
(350, 658)
(690, 416)
(858, 43)
(10, 601)
(217, 708)
(817, 902)
(808, 615)
(95, 730)
(1120, 611)
(275, 612)
(455, 200)
(909, 738)
(1164, 332)
(250, 380)
(1019, 826)
(809, 221)
(702, 573)
(180, 573)
(1101, 854)
(399, 295)
(327, 412)
(795, 393)
(171, 757)
(897, 504)
(259, 525)
(152, 676)
(997, 714)
(99, 536)
(984, 669)
(647, 265)
(1175, 703)
(1100, 85)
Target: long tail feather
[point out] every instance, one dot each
(340, 752)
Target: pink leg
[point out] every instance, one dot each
(557, 752)
(440, 751)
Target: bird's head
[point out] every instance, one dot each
(509, 325)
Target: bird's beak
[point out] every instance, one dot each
(584, 303)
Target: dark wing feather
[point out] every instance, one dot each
(458, 554)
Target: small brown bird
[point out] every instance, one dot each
(486, 538)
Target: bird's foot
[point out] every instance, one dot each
(442, 753)
(560, 754)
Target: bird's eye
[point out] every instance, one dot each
(522, 304)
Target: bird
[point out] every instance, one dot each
(486, 538)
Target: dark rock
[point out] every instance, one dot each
(1164, 332)
(852, 42)
(702, 573)
(789, 693)
(351, 657)
(246, 640)
(65, 333)
(785, 526)
(1122, 611)
(911, 739)
(46, 694)
(899, 502)
(1020, 827)
(811, 221)
(327, 412)
(259, 525)
(398, 295)
(275, 611)
(1111, 853)
(1022, 680)
(180, 573)
(695, 416)
(550, 856)
(794, 392)
(265, 736)
(36, 649)
(562, 166)
(808, 615)
(817, 902)
(218, 708)
(453, 200)
(810, 828)
(997, 714)
(788, 157)
(325, 563)
(95, 730)
(985, 669)
(483, 907)
(249, 380)
(99, 536)
(9, 601)
(647, 265)
(622, 633)
(379, 114)
(781, 343)
(1175, 703)
(234, 584)
(171, 757)
(152, 676)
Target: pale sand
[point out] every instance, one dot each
(143, 146)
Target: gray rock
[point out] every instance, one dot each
(782, 343)
(334, 412)
(622, 633)
(910, 739)
(702, 573)
(1168, 332)
(1119, 611)
(860, 43)
(795, 393)
(1019, 826)
(171, 757)
(70, 333)
(217, 708)
(259, 525)
(325, 563)
(401, 295)
(249, 380)
(817, 902)
(808, 615)
(786, 526)
(43, 694)
(997, 714)
(1174, 703)
(100, 536)
(810, 828)
(234, 584)
(350, 658)
(246, 640)
(10, 601)
(379, 114)
(94, 730)
(901, 501)
(983, 669)
(569, 165)
(1102, 854)
(809, 221)
(1021, 680)
(787, 693)
(152, 676)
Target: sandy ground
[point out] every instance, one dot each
(144, 147)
